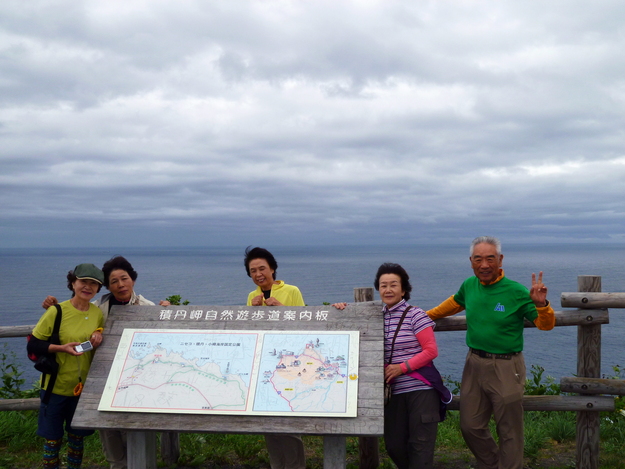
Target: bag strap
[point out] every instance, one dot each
(54, 339)
(403, 316)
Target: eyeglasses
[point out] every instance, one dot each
(488, 259)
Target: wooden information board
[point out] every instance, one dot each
(363, 317)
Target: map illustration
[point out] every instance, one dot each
(236, 372)
(303, 373)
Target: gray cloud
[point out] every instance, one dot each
(201, 123)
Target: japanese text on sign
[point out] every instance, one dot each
(241, 315)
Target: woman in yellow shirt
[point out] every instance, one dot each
(81, 321)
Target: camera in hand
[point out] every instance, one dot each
(84, 347)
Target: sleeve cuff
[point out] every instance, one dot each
(547, 305)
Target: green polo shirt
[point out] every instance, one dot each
(496, 314)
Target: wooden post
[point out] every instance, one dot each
(141, 450)
(368, 447)
(363, 294)
(334, 452)
(588, 366)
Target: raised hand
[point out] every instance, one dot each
(49, 301)
(538, 292)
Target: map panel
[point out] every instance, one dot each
(239, 372)
(304, 373)
(180, 371)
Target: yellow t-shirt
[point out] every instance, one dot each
(288, 295)
(76, 326)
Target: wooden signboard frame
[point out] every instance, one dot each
(363, 317)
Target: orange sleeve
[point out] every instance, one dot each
(546, 319)
(448, 307)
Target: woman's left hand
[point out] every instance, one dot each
(96, 339)
(271, 301)
(391, 372)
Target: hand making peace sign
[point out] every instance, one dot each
(538, 292)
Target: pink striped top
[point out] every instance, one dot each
(406, 343)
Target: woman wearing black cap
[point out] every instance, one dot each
(81, 321)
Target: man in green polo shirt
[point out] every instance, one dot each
(493, 380)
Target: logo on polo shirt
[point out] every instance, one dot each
(500, 308)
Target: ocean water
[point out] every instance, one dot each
(216, 276)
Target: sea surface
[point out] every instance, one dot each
(216, 276)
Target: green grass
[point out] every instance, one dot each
(547, 434)
(549, 437)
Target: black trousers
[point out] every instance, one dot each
(410, 426)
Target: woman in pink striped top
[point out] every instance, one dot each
(411, 416)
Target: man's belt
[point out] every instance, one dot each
(502, 356)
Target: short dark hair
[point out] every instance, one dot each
(71, 278)
(118, 263)
(259, 253)
(390, 268)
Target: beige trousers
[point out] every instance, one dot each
(493, 386)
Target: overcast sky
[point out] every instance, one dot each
(193, 123)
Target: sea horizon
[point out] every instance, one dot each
(215, 275)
